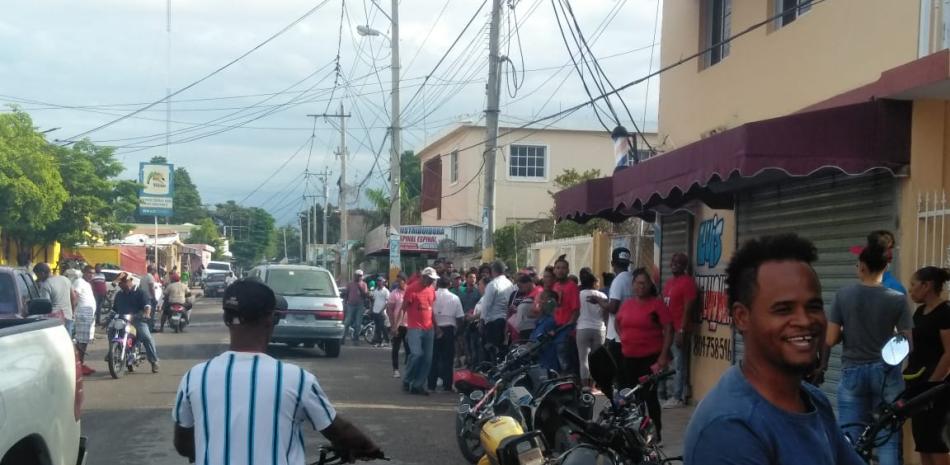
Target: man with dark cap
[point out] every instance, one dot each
(621, 289)
(136, 302)
(244, 406)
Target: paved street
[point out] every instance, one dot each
(129, 420)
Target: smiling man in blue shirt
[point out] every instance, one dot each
(760, 412)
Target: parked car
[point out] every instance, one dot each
(42, 388)
(314, 315)
(214, 284)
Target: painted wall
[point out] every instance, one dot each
(776, 71)
(714, 239)
(516, 200)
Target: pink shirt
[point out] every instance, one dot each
(676, 292)
(640, 324)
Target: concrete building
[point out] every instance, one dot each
(528, 161)
(829, 119)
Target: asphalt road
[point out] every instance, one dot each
(129, 420)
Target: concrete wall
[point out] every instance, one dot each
(516, 200)
(833, 48)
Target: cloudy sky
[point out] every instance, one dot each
(75, 65)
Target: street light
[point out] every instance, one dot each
(395, 210)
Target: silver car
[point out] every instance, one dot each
(314, 315)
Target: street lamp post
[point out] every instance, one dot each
(395, 209)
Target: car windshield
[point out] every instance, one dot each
(315, 283)
(219, 266)
(7, 294)
(215, 277)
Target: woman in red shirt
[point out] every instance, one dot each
(646, 333)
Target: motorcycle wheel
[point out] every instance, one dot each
(177, 326)
(181, 325)
(470, 445)
(115, 360)
(368, 332)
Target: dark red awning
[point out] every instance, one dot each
(852, 139)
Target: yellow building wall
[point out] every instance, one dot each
(41, 253)
(773, 71)
(95, 255)
(515, 200)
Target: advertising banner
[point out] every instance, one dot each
(158, 189)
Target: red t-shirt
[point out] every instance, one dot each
(417, 303)
(640, 324)
(676, 293)
(569, 298)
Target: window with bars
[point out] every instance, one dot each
(527, 162)
(791, 10)
(454, 167)
(717, 25)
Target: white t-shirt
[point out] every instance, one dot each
(447, 307)
(620, 289)
(380, 296)
(86, 301)
(245, 405)
(591, 315)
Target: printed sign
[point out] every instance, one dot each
(420, 238)
(158, 189)
(709, 244)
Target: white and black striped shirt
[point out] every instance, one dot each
(250, 408)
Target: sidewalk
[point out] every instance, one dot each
(674, 429)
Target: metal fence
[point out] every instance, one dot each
(930, 247)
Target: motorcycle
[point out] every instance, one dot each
(125, 350)
(623, 434)
(890, 417)
(484, 395)
(178, 317)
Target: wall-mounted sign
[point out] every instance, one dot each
(158, 189)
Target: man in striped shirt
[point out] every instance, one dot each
(245, 407)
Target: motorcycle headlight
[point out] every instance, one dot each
(477, 395)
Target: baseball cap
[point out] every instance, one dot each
(248, 301)
(123, 276)
(358, 272)
(620, 254)
(429, 272)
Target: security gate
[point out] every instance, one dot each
(675, 237)
(835, 212)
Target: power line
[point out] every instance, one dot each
(202, 79)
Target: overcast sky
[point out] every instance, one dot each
(101, 59)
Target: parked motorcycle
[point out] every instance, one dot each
(485, 393)
(125, 350)
(890, 417)
(623, 434)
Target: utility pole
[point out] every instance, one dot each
(310, 213)
(311, 219)
(343, 216)
(326, 208)
(395, 210)
(491, 140)
(301, 258)
(285, 244)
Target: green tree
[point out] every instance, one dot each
(187, 199)
(569, 228)
(32, 194)
(250, 231)
(206, 233)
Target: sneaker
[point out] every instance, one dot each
(395, 373)
(418, 392)
(673, 403)
(155, 367)
(87, 370)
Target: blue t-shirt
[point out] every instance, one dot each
(735, 425)
(890, 282)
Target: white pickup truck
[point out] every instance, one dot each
(40, 380)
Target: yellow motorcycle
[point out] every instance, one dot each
(501, 435)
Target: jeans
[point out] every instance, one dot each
(145, 336)
(676, 386)
(862, 389)
(588, 340)
(443, 358)
(353, 318)
(420, 358)
(69, 327)
(382, 333)
(473, 347)
(567, 352)
(399, 340)
(494, 339)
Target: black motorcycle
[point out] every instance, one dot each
(542, 396)
(623, 434)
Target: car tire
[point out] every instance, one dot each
(332, 348)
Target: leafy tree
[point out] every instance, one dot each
(187, 199)
(206, 233)
(251, 231)
(569, 228)
(333, 225)
(32, 194)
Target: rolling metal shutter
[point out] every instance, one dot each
(835, 212)
(675, 237)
